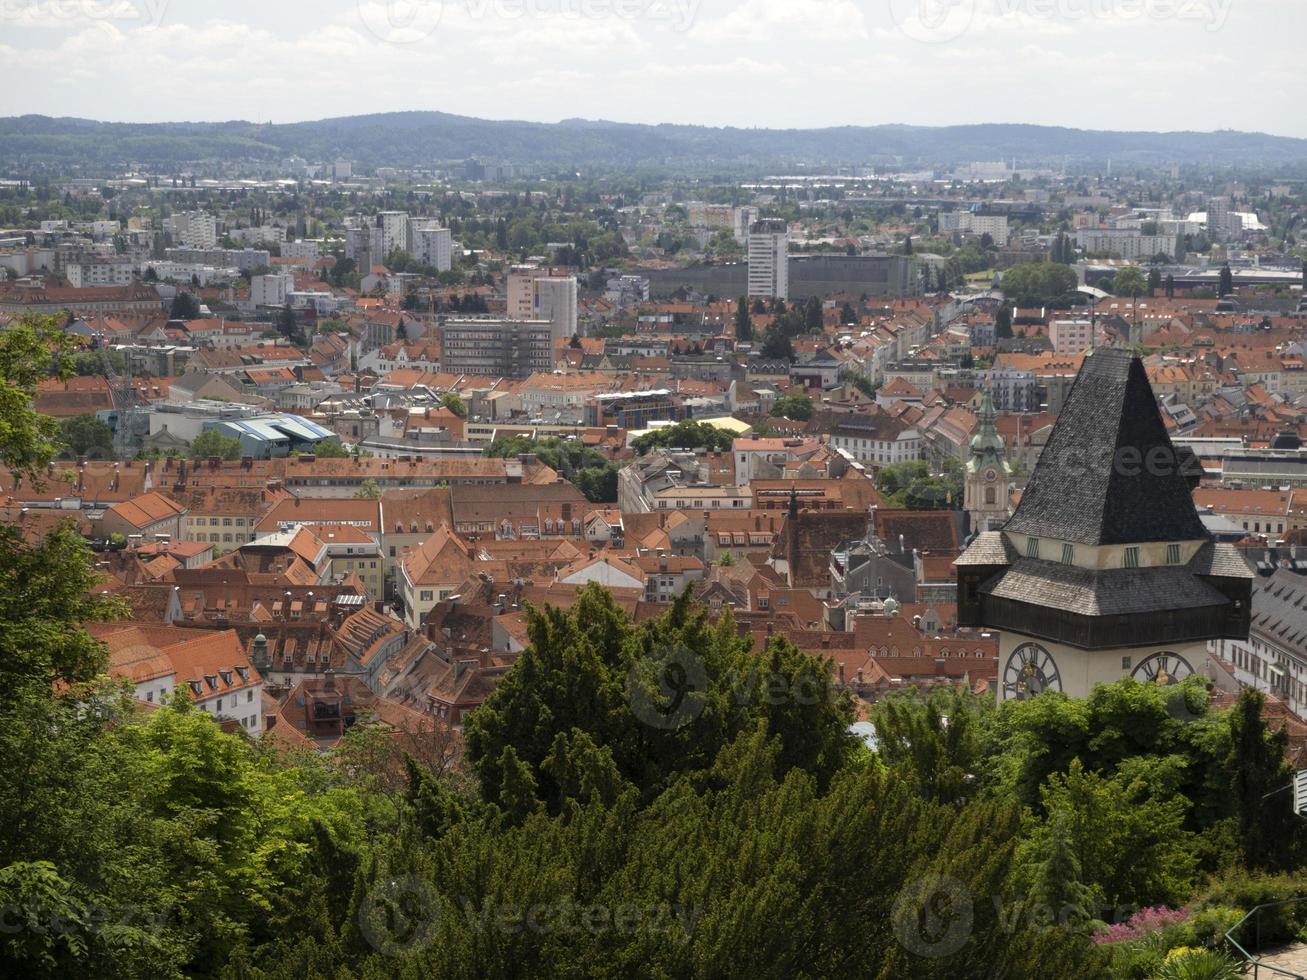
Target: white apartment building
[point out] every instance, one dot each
(994, 225)
(255, 236)
(534, 293)
(271, 290)
(193, 229)
(710, 215)
(553, 298)
(167, 269)
(880, 440)
(769, 259)
(306, 249)
(1070, 336)
(432, 245)
(101, 272)
(390, 231)
(1126, 243)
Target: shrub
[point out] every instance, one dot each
(1245, 890)
(1208, 926)
(1143, 923)
(1186, 963)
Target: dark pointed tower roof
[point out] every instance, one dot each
(1109, 474)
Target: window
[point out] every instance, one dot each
(426, 595)
(249, 696)
(1032, 547)
(1068, 554)
(990, 496)
(1131, 558)
(1173, 554)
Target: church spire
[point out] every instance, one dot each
(987, 441)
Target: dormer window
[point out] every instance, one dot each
(1068, 554)
(1032, 547)
(1131, 559)
(1173, 554)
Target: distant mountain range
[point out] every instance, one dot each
(426, 138)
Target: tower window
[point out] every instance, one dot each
(1131, 558)
(1068, 554)
(1173, 554)
(990, 496)
(1032, 547)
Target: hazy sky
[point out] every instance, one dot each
(1120, 64)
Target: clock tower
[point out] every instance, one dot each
(1105, 570)
(988, 475)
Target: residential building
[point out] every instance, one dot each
(769, 259)
(497, 347)
(432, 245)
(192, 229)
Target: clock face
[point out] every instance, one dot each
(1030, 670)
(1163, 668)
(991, 475)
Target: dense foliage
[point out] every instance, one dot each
(593, 473)
(688, 434)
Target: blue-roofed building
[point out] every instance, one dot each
(271, 436)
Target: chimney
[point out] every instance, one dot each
(859, 675)
(329, 680)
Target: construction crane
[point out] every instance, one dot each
(127, 403)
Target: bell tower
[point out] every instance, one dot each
(988, 475)
(1105, 571)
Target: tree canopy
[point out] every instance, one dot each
(688, 434)
(1037, 284)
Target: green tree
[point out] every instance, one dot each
(184, 307)
(1225, 283)
(1129, 282)
(1003, 322)
(776, 345)
(211, 442)
(86, 435)
(368, 490)
(688, 434)
(743, 322)
(330, 449)
(1154, 280)
(1127, 838)
(454, 403)
(1270, 834)
(812, 315)
(797, 406)
(1039, 284)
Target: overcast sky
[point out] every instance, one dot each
(1115, 64)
